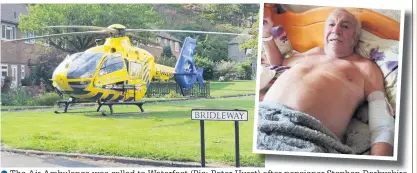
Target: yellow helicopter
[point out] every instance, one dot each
(117, 72)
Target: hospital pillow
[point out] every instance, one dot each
(385, 53)
(281, 40)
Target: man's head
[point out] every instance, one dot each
(341, 33)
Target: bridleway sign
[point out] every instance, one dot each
(219, 115)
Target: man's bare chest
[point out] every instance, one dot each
(344, 70)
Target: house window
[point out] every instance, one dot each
(8, 32)
(4, 71)
(158, 42)
(22, 71)
(28, 35)
(14, 76)
(177, 46)
(248, 52)
(171, 43)
(149, 44)
(165, 42)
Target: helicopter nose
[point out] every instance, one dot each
(79, 85)
(61, 81)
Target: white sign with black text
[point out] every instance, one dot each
(219, 115)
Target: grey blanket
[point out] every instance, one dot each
(284, 129)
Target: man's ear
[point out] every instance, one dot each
(356, 39)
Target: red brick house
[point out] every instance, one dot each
(16, 57)
(163, 39)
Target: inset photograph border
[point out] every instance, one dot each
(296, 110)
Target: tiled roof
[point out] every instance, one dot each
(8, 12)
(241, 38)
(168, 36)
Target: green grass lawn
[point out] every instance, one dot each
(232, 88)
(166, 132)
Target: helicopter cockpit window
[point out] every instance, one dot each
(84, 65)
(111, 64)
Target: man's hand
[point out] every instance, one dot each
(272, 52)
(267, 26)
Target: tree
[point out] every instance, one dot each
(167, 52)
(253, 42)
(130, 15)
(245, 70)
(214, 48)
(44, 68)
(235, 14)
(207, 65)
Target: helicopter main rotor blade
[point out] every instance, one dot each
(141, 38)
(63, 34)
(80, 26)
(184, 31)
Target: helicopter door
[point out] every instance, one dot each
(112, 71)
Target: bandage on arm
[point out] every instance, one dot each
(381, 121)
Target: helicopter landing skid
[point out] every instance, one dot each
(67, 104)
(110, 104)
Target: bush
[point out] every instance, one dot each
(173, 94)
(28, 81)
(6, 83)
(226, 70)
(167, 52)
(167, 61)
(18, 96)
(22, 96)
(46, 99)
(245, 70)
(207, 65)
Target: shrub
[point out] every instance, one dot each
(167, 52)
(173, 94)
(46, 99)
(207, 65)
(6, 83)
(245, 70)
(227, 70)
(16, 96)
(167, 61)
(28, 81)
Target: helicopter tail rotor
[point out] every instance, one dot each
(186, 73)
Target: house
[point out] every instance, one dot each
(16, 56)
(234, 52)
(163, 39)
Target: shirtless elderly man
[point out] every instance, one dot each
(330, 83)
